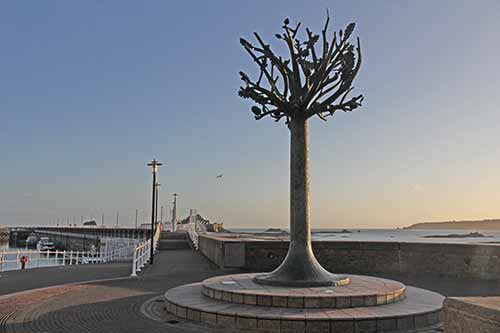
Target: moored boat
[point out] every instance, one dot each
(44, 244)
(31, 241)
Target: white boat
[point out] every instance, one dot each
(44, 244)
(31, 241)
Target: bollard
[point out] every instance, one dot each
(24, 260)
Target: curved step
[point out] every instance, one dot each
(362, 291)
(420, 309)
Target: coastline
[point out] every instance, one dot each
(489, 224)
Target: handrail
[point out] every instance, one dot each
(193, 230)
(142, 253)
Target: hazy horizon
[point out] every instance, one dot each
(90, 92)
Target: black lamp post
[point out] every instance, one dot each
(154, 164)
(174, 212)
(156, 204)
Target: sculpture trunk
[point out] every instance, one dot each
(300, 267)
(300, 226)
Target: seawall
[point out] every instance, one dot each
(359, 257)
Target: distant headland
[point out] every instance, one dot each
(492, 224)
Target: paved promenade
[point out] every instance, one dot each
(15, 281)
(124, 304)
(116, 305)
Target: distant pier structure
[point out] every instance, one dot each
(82, 238)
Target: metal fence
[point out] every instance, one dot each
(139, 252)
(12, 260)
(193, 229)
(142, 252)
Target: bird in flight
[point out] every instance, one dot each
(219, 176)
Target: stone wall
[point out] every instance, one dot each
(213, 249)
(472, 314)
(456, 260)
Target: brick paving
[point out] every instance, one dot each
(20, 280)
(106, 306)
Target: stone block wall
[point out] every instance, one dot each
(455, 260)
(212, 248)
(472, 315)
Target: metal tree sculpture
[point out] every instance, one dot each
(310, 82)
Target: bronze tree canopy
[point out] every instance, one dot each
(313, 80)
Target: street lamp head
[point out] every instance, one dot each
(154, 164)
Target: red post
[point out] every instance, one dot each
(24, 260)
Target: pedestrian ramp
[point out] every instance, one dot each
(170, 241)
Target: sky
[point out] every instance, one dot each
(91, 91)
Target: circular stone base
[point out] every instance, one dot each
(361, 292)
(330, 280)
(420, 309)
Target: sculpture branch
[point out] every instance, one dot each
(314, 82)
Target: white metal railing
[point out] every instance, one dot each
(142, 252)
(193, 229)
(11, 260)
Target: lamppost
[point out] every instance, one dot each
(154, 164)
(174, 212)
(157, 189)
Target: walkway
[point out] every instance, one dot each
(106, 306)
(15, 281)
(126, 304)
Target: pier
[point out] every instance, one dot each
(74, 238)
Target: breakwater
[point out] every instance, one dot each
(360, 257)
(61, 240)
(74, 238)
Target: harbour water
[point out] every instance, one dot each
(10, 256)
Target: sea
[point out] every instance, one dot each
(381, 235)
(395, 235)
